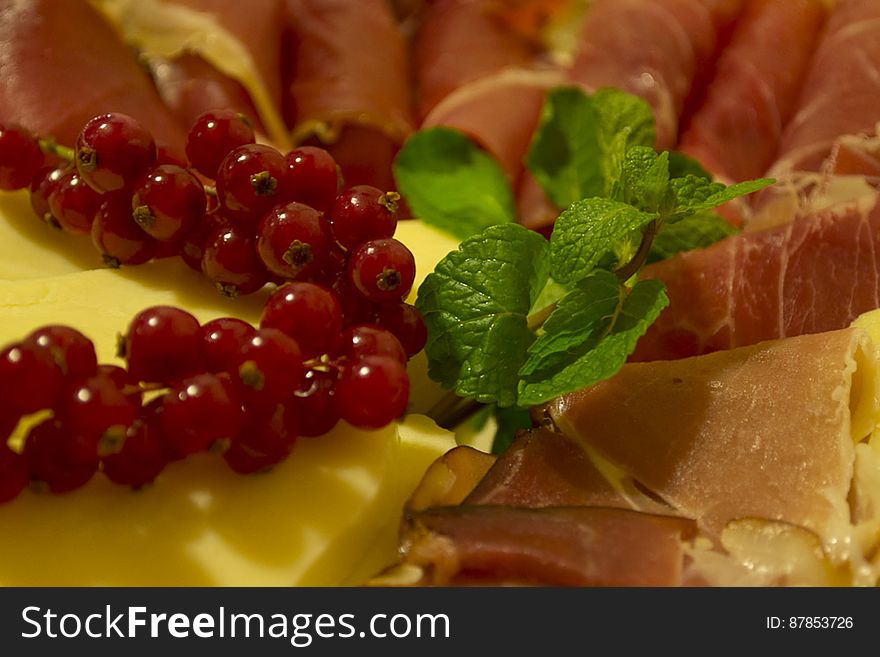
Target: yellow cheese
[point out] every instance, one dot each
(328, 515)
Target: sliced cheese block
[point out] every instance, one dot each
(765, 431)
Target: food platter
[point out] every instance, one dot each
(645, 238)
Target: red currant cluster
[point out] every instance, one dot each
(224, 386)
(241, 212)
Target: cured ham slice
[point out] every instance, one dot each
(61, 68)
(841, 95)
(817, 273)
(736, 131)
(348, 83)
(653, 49)
(765, 431)
(586, 546)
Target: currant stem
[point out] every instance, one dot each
(51, 147)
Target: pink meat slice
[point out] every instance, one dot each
(816, 273)
(654, 49)
(736, 131)
(62, 67)
(841, 95)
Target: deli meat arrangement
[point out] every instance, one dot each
(651, 335)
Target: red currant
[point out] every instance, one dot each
(20, 157)
(43, 185)
(192, 250)
(122, 380)
(363, 213)
(199, 412)
(213, 135)
(314, 177)
(30, 380)
(14, 476)
(306, 312)
(49, 462)
(406, 323)
(73, 352)
(230, 260)
(113, 151)
(222, 339)
(270, 369)
(370, 340)
(74, 204)
(265, 440)
(382, 270)
(316, 403)
(117, 237)
(293, 241)
(169, 203)
(251, 179)
(372, 392)
(163, 344)
(142, 457)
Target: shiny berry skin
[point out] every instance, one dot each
(48, 460)
(14, 475)
(113, 151)
(119, 240)
(222, 339)
(406, 323)
(372, 392)
(230, 260)
(251, 179)
(269, 368)
(382, 270)
(42, 186)
(314, 177)
(361, 214)
(74, 204)
(123, 381)
(199, 412)
(163, 345)
(168, 203)
(316, 403)
(293, 241)
(96, 414)
(73, 352)
(20, 157)
(308, 313)
(30, 380)
(265, 440)
(192, 250)
(356, 309)
(142, 457)
(363, 340)
(213, 135)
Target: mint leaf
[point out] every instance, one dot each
(694, 232)
(692, 193)
(452, 184)
(681, 165)
(589, 336)
(509, 421)
(644, 178)
(587, 232)
(476, 304)
(620, 111)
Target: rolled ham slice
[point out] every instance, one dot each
(817, 273)
(736, 131)
(62, 66)
(766, 431)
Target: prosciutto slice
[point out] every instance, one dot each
(841, 95)
(736, 131)
(61, 68)
(653, 49)
(817, 273)
(348, 83)
(765, 431)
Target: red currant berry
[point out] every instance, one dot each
(213, 135)
(30, 380)
(113, 151)
(73, 352)
(96, 414)
(356, 309)
(74, 204)
(270, 369)
(230, 260)
(44, 183)
(122, 380)
(222, 340)
(308, 313)
(48, 460)
(382, 270)
(192, 250)
(314, 177)
(119, 240)
(316, 404)
(372, 392)
(163, 344)
(169, 203)
(370, 340)
(199, 412)
(251, 179)
(265, 440)
(20, 157)
(406, 323)
(14, 475)
(363, 213)
(142, 457)
(293, 241)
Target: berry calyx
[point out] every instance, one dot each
(168, 203)
(382, 270)
(293, 241)
(142, 457)
(117, 237)
(112, 152)
(269, 369)
(251, 179)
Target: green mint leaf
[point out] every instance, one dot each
(586, 232)
(692, 193)
(694, 232)
(681, 165)
(452, 184)
(476, 304)
(509, 421)
(589, 336)
(620, 111)
(644, 178)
